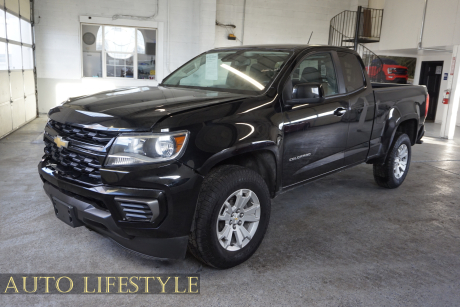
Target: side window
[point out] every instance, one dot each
(317, 68)
(352, 71)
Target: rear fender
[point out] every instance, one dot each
(395, 119)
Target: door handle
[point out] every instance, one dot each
(340, 111)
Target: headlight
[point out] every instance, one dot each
(391, 70)
(130, 149)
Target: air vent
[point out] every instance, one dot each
(138, 210)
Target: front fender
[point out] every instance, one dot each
(235, 151)
(219, 132)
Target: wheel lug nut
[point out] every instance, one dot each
(234, 226)
(241, 214)
(238, 211)
(239, 223)
(230, 222)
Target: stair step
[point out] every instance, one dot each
(362, 40)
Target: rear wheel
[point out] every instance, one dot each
(393, 172)
(232, 216)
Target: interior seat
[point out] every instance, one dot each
(311, 74)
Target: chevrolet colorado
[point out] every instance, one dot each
(195, 161)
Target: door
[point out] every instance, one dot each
(17, 83)
(360, 116)
(315, 135)
(431, 76)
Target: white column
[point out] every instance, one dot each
(449, 118)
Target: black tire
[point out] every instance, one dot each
(216, 188)
(384, 175)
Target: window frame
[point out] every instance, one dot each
(21, 44)
(104, 51)
(361, 64)
(337, 69)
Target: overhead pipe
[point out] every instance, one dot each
(244, 18)
(419, 47)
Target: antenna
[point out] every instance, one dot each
(310, 37)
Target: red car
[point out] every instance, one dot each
(390, 72)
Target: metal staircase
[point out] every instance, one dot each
(352, 29)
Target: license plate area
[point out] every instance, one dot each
(66, 213)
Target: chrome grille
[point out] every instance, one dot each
(82, 157)
(72, 164)
(82, 134)
(401, 71)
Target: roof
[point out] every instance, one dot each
(292, 47)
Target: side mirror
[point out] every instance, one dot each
(311, 92)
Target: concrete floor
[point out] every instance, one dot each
(340, 241)
(434, 130)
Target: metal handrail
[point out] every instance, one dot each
(350, 28)
(368, 26)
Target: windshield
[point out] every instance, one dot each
(240, 70)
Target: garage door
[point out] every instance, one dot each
(17, 82)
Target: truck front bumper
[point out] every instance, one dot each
(397, 79)
(98, 208)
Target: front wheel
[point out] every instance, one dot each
(393, 172)
(231, 218)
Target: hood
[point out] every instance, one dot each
(134, 109)
(394, 66)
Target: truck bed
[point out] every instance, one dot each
(398, 95)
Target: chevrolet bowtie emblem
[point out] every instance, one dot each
(60, 142)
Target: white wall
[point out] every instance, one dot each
(377, 4)
(58, 41)
(442, 23)
(364, 3)
(187, 29)
(458, 118)
(278, 21)
(402, 24)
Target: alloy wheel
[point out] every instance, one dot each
(400, 162)
(238, 220)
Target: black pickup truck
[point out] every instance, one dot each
(195, 161)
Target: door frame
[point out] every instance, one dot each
(423, 68)
(327, 99)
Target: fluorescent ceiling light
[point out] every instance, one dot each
(244, 76)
